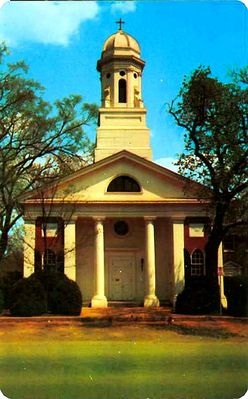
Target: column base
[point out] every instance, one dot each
(224, 302)
(151, 301)
(99, 301)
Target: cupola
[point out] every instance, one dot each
(122, 123)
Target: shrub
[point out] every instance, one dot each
(28, 298)
(7, 281)
(65, 298)
(49, 280)
(1, 302)
(236, 291)
(195, 300)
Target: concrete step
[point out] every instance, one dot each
(97, 315)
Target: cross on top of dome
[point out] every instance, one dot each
(120, 22)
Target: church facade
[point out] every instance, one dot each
(122, 226)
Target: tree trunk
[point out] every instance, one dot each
(211, 254)
(3, 244)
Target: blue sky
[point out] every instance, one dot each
(62, 40)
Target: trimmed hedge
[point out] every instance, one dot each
(28, 298)
(236, 291)
(195, 300)
(66, 298)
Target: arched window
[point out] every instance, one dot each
(197, 263)
(122, 91)
(124, 184)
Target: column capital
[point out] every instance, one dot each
(178, 220)
(30, 220)
(99, 218)
(149, 218)
(71, 219)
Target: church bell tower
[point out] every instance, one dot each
(122, 116)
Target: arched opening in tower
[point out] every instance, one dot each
(122, 91)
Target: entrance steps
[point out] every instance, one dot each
(122, 314)
(100, 317)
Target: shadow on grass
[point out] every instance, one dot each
(200, 331)
(213, 332)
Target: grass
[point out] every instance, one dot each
(120, 363)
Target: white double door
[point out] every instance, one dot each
(121, 277)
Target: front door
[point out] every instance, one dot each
(121, 271)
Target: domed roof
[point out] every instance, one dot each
(121, 41)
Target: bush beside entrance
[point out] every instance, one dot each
(28, 298)
(46, 291)
(196, 300)
(236, 291)
(66, 298)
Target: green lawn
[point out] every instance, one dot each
(127, 362)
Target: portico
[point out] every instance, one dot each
(121, 258)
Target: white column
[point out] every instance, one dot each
(221, 276)
(70, 249)
(178, 258)
(99, 299)
(29, 247)
(150, 266)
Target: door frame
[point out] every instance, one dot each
(121, 253)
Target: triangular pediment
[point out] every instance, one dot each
(90, 184)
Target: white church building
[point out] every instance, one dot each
(126, 222)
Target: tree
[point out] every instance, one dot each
(214, 116)
(38, 141)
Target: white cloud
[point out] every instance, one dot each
(2, 2)
(47, 22)
(123, 7)
(167, 163)
(246, 4)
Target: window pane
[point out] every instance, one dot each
(197, 263)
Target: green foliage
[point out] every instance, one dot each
(236, 291)
(214, 116)
(39, 141)
(66, 298)
(28, 298)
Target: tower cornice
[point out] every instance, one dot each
(120, 58)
